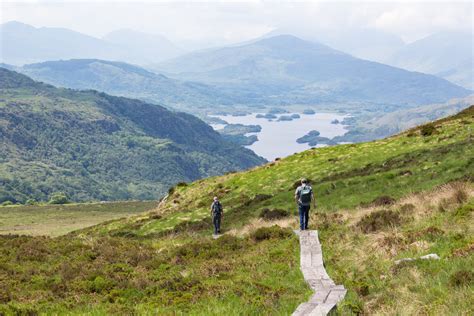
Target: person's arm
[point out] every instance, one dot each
(296, 195)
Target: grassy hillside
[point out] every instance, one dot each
(94, 146)
(368, 215)
(56, 220)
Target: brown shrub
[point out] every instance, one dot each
(461, 278)
(407, 208)
(378, 220)
(464, 251)
(276, 213)
(429, 233)
(274, 232)
(428, 130)
(383, 200)
(460, 196)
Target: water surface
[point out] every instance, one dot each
(278, 138)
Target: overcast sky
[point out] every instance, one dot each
(234, 21)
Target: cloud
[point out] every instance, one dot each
(233, 21)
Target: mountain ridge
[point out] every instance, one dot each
(95, 146)
(307, 72)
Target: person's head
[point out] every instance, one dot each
(216, 199)
(304, 181)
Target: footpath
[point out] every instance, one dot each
(326, 293)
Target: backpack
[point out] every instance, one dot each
(305, 195)
(216, 208)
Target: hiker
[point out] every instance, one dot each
(216, 213)
(303, 197)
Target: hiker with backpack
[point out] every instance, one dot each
(303, 197)
(216, 213)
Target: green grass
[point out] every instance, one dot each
(255, 275)
(365, 262)
(164, 261)
(55, 220)
(343, 177)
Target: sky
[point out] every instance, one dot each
(224, 22)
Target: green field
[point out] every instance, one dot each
(405, 196)
(55, 220)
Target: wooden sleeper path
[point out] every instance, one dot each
(327, 293)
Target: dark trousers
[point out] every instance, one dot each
(303, 210)
(216, 220)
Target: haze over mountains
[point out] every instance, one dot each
(275, 70)
(23, 44)
(449, 55)
(287, 70)
(445, 54)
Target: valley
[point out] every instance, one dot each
(122, 121)
(403, 196)
(93, 147)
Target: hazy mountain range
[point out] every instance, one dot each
(282, 70)
(287, 70)
(91, 145)
(23, 44)
(446, 54)
(449, 55)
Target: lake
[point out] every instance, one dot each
(278, 138)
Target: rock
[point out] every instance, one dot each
(404, 260)
(432, 256)
(285, 118)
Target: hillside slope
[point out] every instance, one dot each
(126, 80)
(287, 70)
(94, 146)
(166, 262)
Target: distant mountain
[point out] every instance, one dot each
(123, 79)
(144, 48)
(91, 145)
(287, 70)
(24, 44)
(449, 55)
(367, 43)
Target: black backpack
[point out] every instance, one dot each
(216, 208)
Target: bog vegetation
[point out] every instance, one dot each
(405, 196)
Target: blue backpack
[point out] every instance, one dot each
(305, 195)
